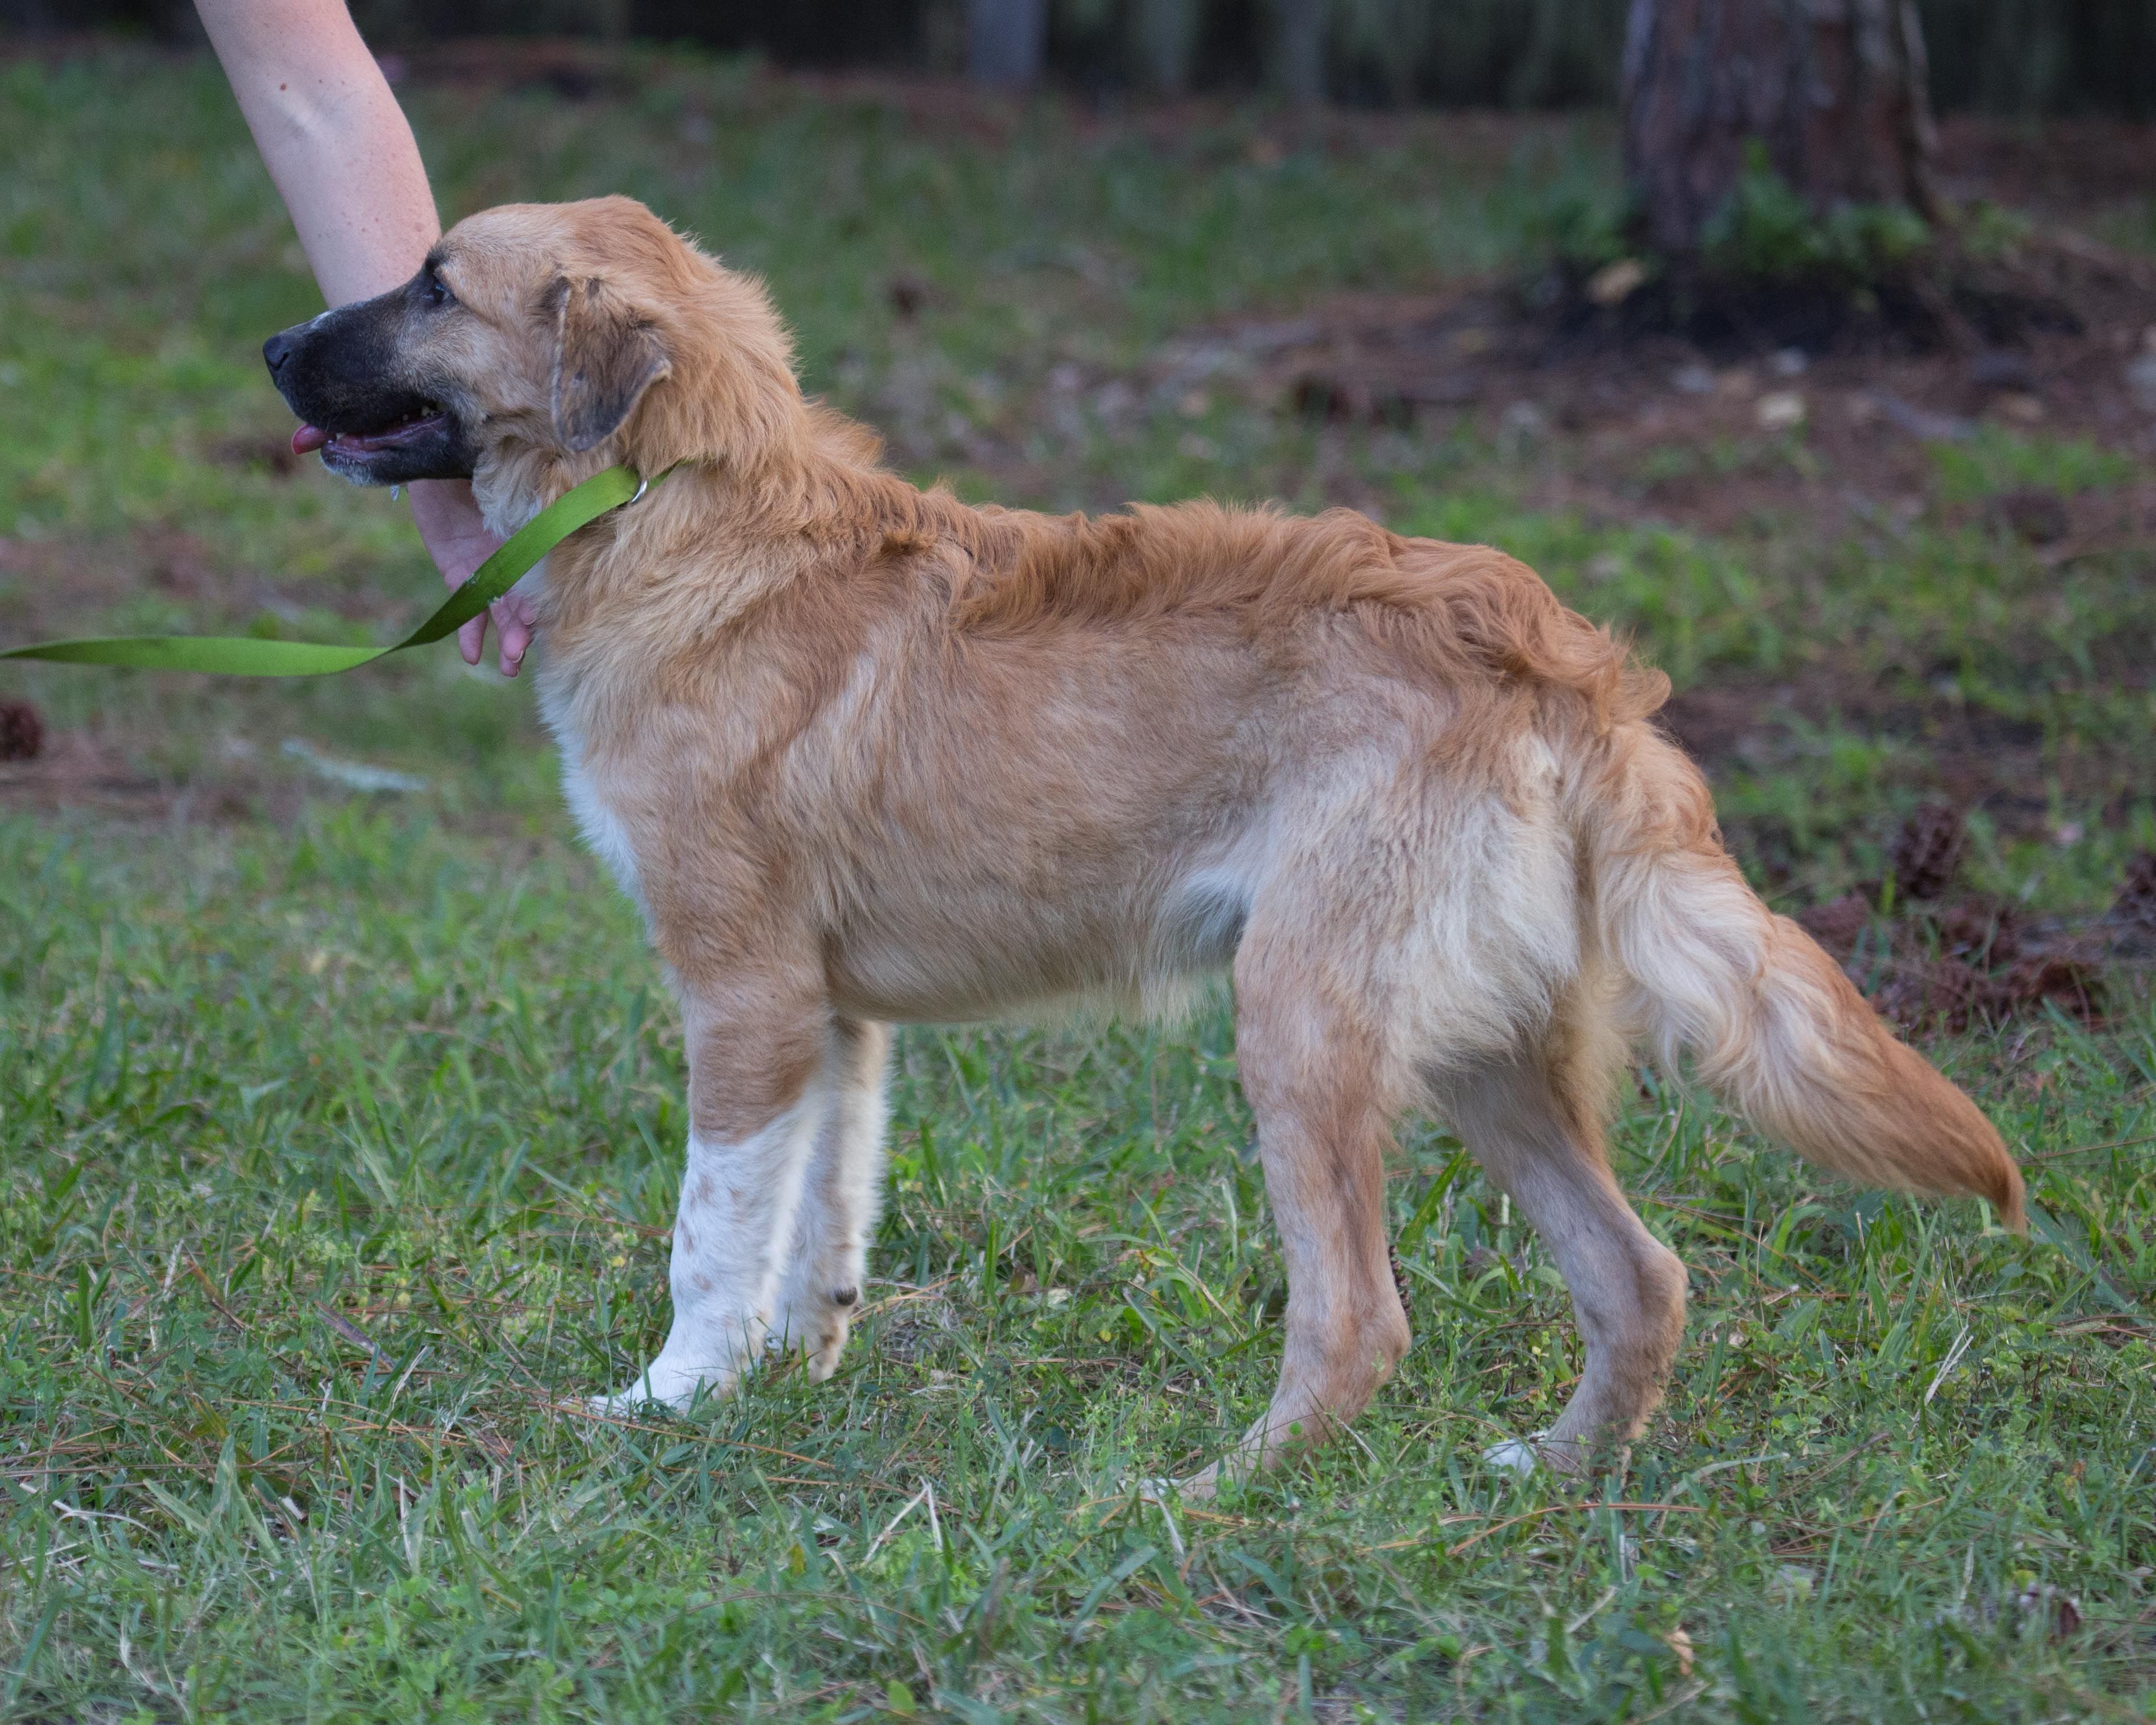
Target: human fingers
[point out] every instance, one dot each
(514, 631)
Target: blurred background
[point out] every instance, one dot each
(2017, 57)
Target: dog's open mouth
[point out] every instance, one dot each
(424, 421)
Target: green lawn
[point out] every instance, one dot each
(341, 1128)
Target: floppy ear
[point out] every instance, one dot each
(605, 357)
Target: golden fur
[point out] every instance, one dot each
(867, 754)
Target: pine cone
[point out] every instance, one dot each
(1983, 931)
(22, 732)
(2136, 902)
(2069, 982)
(1944, 994)
(1837, 924)
(1928, 851)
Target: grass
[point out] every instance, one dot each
(341, 1132)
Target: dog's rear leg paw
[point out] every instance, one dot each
(820, 1331)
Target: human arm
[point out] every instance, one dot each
(343, 158)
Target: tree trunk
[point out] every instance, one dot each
(1006, 41)
(1168, 38)
(1299, 50)
(1835, 91)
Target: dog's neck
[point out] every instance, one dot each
(728, 534)
(516, 481)
(512, 485)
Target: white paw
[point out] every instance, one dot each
(1515, 1455)
(674, 1388)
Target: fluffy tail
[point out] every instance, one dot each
(1770, 1021)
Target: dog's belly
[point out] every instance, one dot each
(1134, 951)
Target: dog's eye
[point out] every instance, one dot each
(438, 293)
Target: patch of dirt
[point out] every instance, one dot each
(1963, 962)
(111, 767)
(1646, 427)
(1973, 758)
(911, 1324)
(1654, 429)
(1932, 958)
(2061, 167)
(48, 586)
(84, 770)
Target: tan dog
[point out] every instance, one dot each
(865, 754)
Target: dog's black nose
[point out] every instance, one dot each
(278, 349)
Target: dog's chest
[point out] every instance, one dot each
(603, 829)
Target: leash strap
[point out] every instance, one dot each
(246, 656)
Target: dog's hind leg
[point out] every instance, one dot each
(755, 1104)
(1309, 1045)
(1533, 1121)
(820, 1284)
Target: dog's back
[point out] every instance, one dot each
(1095, 747)
(1168, 723)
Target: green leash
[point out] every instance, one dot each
(244, 656)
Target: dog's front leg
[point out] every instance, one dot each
(754, 1108)
(820, 1289)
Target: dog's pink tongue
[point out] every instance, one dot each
(308, 438)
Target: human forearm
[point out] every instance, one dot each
(335, 140)
(344, 160)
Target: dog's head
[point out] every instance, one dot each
(539, 342)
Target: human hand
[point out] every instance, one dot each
(458, 540)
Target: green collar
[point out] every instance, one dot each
(243, 656)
